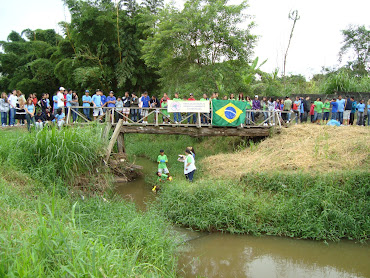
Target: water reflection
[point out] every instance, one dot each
(225, 255)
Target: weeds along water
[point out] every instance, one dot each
(309, 205)
(44, 233)
(320, 207)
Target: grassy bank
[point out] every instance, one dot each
(149, 145)
(308, 148)
(308, 182)
(322, 207)
(45, 231)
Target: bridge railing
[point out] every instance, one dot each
(160, 116)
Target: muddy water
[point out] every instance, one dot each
(226, 255)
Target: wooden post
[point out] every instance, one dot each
(68, 115)
(113, 140)
(106, 130)
(156, 117)
(121, 142)
(199, 121)
(107, 115)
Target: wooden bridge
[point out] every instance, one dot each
(128, 120)
(155, 125)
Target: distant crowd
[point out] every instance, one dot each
(16, 109)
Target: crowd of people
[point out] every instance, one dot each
(16, 109)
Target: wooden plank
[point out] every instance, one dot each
(198, 132)
(121, 142)
(106, 130)
(113, 140)
(68, 115)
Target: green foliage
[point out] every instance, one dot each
(344, 81)
(43, 234)
(146, 146)
(331, 206)
(53, 155)
(53, 237)
(190, 46)
(357, 41)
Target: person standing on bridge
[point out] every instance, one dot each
(189, 166)
(96, 101)
(86, 101)
(145, 99)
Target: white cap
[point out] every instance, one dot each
(256, 96)
(62, 89)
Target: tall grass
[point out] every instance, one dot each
(57, 237)
(322, 207)
(44, 233)
(53, 154)
(148, 146)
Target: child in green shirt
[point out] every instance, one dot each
(161, 178)
(162, 160)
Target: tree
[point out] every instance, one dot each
(357, 41)
(191, 46)
(25, 63)
(293, 15)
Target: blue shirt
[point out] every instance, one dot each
(111, 99)
(103, 99)
(47, 102)
(334, 108)
(361, 107)
(96, 100)
(69, 99)
(59, 117)
(55, 104)
(354, 105)
(341, 104)
(86, 98)
(30, 108)
(145, 101)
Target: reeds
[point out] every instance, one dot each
(56, 237)
(322, 207)
(54, 154)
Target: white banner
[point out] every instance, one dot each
(201, 106)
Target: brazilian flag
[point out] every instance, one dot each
(228, 112)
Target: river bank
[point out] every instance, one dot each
(204, 254)
(283, 199)
(61, 228)
(50, 226)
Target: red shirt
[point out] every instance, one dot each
(34, 100)
(312, 109)
(191, 98)
(163, 98)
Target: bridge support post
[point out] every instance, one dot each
(121, 142)
(113, 140)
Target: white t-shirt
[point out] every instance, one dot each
(13, 101)
(60, 100)
(191, 167)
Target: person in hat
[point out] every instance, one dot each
(60, 98)
(189, 165)
(162, 160)
(86, 102)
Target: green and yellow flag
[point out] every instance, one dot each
(228, 112)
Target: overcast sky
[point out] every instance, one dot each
(316, 41)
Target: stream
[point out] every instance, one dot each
(228, 255)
